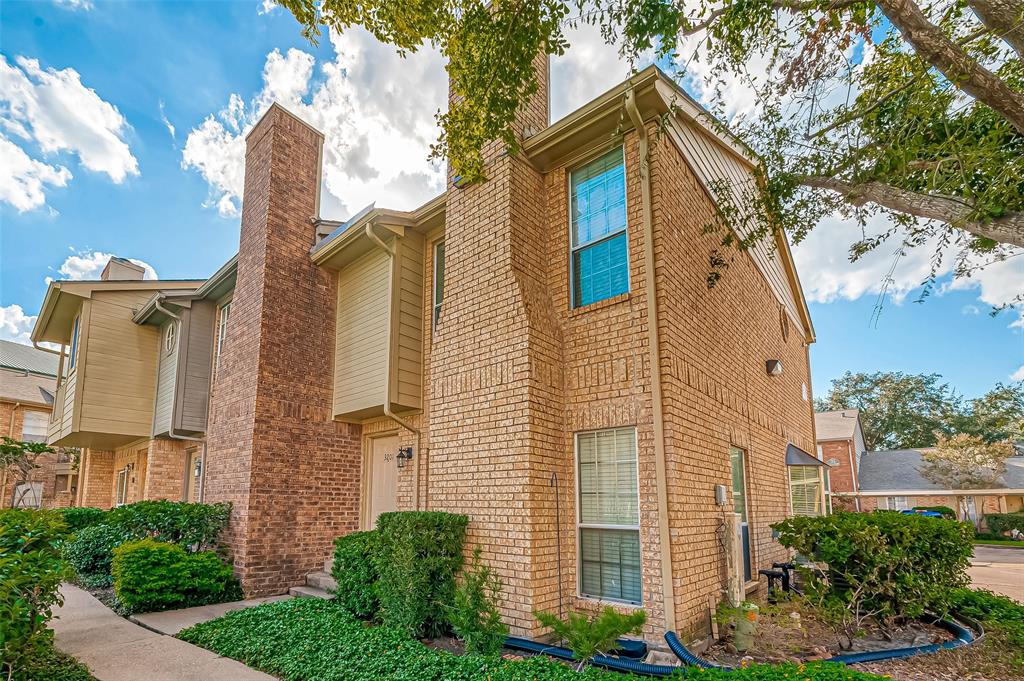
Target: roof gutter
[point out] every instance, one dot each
(654, 359)
(372, 236)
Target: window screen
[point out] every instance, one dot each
(609, 514)
(600, 264)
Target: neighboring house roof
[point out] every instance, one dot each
(836, 425)
(900, 471)
(21, 386)
(27, 358)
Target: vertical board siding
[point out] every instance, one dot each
(407, 332)
(196, 366)
(360, 355)
(166, 380)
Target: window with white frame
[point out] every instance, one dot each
(121, 491)
(609, 515)
(34, 425)
(805, 490)
(222, 332)
(438, 281)
(74, 343)
(600, 263)
(897, 503)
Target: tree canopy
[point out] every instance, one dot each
(904, 411)
(966, 462)
(908, 108)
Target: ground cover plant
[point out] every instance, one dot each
(311, 639)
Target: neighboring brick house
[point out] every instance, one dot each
(540, 351)
(893, 480)
(28, 378)
(841, 446)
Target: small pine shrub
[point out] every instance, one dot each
(588, 635)
(356, 574)
(420, 554)
(151, 575)
(90, 552)
(474, 613)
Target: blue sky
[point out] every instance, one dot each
(90, 166)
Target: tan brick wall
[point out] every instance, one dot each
(165, 470)
(274, 450)
(134, 455)
(96, 471)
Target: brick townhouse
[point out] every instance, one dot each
(28, 378)
(539, 350)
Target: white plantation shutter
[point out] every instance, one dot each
(609, 515)
(805, 489)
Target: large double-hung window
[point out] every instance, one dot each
(600, 263)
(609, 515)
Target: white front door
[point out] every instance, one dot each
(383, 478)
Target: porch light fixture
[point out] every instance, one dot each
(773, 367)
(404, 456)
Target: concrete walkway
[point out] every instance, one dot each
(999, 569)
(115, 649)
(171, 622)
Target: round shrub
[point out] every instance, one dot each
(151, 575)
(355, 573)
(89, 553)
(1004, 523)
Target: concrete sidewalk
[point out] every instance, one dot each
(171, 622)
(115, 649)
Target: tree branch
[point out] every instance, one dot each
(935, 48)
(1008, 229)
(1005, 18)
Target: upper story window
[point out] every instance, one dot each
(170, 334)
(609, 515)
(438, 281)
(33, 427)
(600, 263)
(74, 344)
(222, 332)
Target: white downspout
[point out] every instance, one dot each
(372, 236)
(654, 347)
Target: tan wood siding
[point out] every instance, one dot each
(712, 163)
(118, 386)
(166, 380)
(407, 327)
(360, 363)
(195, 367)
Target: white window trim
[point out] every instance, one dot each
(75, 332)
(823, 496)
(121, 487)
(222, 332)
(44, 422)
(435, 312)
(600, 526)
(624, 230)
(170, 337)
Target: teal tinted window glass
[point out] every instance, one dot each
(599, 253)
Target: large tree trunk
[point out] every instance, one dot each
(1008, 229)
(935, 48)
(1005, 18)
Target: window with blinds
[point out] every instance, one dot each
(34, 425)
(600, 263)
(805, 490)
(609, 515)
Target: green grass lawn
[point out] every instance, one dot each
(1000, 542)
(314, 640)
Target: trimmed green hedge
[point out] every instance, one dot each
(356, 574)
(1002, 523)
(79, 517)
(90, 552)
(946, 511)
(420, 552)
(198, 525)
(151, 575)
(310, 639)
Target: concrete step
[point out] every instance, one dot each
(321, 580)
(310, 592)
(328, 565)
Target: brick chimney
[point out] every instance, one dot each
(119, 269)
(274, 450)
(499, 344)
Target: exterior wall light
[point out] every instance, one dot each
(404, 456)
(773, 367)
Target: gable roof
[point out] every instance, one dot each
(900, 471)
(27, 358)
(836, 425)
(26, 388)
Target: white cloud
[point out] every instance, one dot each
(163, 119)
(375, 109)
(267, 6)
(88, 264)
(22, 183)
(75, 4)
(997, 283)
(1018, 375)
(54, 111)
(588, 68)
(15, 325)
